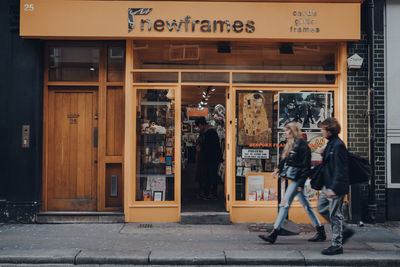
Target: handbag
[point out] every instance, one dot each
(289, 172)
(317, 176)
(360, 171)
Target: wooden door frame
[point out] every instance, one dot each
(101, 86)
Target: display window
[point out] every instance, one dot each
(155, 152)
(260, 116)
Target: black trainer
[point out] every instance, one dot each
(332, 250)
(347, 233)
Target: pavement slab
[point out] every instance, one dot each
(38, 256)
(267, 257)
(189, 257)
(113, 257)
(353, 258)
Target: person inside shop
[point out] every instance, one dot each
(294, 166)
(209, 156)
(336, 186)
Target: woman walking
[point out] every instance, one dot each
(295, 154)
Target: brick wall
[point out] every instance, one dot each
(380, 148)
(358, 133)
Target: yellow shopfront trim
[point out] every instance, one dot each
(240, 211)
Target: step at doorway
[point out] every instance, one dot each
(205, 218)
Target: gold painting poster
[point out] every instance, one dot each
(254, 118)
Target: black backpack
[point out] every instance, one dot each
(360, 171)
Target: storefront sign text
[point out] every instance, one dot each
(305, 21)
(189, 24)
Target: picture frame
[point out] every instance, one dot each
(169, 151)
(169, 142)
(158, 195)
(255, 110)
(186, 127)
(308, 109)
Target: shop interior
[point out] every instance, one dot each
(207, 102)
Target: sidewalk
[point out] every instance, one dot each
(176, 244)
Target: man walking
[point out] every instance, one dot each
(210, 155)
(336, 186)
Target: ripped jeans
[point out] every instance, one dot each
(290, 193)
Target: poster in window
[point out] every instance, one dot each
(254, 118)
(308, 109)
(316, 143)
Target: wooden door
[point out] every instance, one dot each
(72, 150)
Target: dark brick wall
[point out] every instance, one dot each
(380, 141)
(358, 133)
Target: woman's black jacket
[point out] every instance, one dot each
(336, 176)
(299, 157)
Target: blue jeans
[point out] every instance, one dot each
(290, 193)
(331, 210)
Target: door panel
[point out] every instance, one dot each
(71, 168)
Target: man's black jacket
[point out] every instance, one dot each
(336, 176)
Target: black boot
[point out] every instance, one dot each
(271, 237)
(319, 236)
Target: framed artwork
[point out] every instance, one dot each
(186, 127)
(308, 109)
(158, 195)
(254, 112)
(169, 151)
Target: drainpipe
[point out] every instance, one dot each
(372, 207)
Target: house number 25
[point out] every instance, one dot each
(29, 7)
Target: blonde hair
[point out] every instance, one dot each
(296, 133)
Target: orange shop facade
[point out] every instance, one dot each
(124, 82)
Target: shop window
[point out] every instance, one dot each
(205, 77)
(260, 139)
(233, 56)
(155, 77)
(74, 63)
(395, 167)
(256, 78)
(115, 64)
(155, 139)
